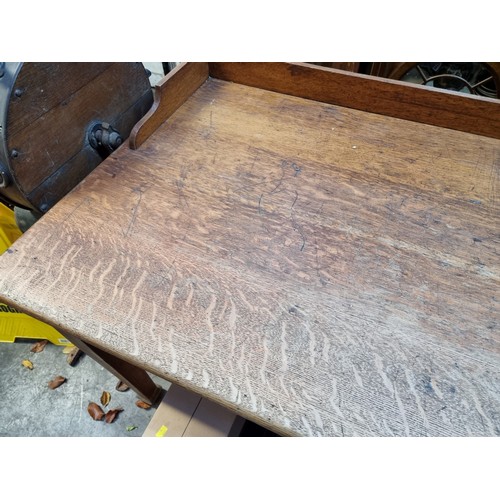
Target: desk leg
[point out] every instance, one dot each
(136, 378)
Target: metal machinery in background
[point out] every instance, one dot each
(58, 121)
(478, 78)
(469, 77)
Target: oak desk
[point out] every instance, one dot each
(318, 269)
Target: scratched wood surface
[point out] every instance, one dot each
(468, 113)
(320, 270)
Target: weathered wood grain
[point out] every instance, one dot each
(319, 270)
(468, 113)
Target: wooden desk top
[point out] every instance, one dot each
(320, 270)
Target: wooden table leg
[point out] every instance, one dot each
(136, 378)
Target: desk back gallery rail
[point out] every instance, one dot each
(467, 113)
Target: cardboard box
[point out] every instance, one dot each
(183, 413)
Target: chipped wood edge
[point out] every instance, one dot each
(171, 93)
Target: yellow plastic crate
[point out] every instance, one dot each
(14, 324)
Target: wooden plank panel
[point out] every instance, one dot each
(475, 114)
(60, 182)
(313, 287)
(59, 134)
(64, 179)
(43, 85)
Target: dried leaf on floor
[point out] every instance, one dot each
(27, 364)
(95, 411)
(142, 404)
(112, 414)
(122, 386)
(131, 427)
(39, 346)
(59, 380)
(105, 398)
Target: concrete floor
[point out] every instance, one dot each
(28, 407)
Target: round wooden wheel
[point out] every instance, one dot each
(55, 119)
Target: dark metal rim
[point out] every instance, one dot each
(9, 190)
